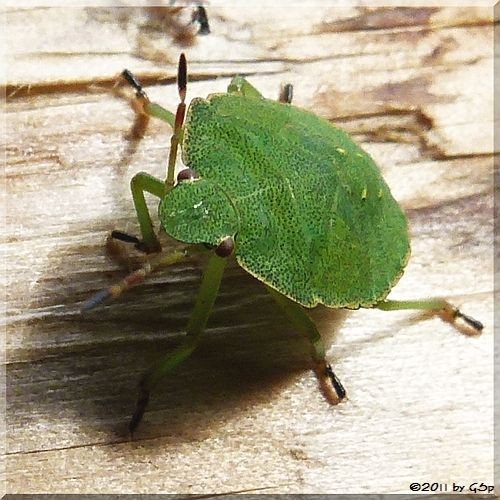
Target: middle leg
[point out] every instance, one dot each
(330, 385)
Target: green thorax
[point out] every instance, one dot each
(317, 222)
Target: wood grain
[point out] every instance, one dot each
(415, 88)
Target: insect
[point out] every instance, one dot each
(291, 197)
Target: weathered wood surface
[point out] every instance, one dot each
(415, 87)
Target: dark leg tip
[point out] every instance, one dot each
(133, 81)
(200, 16)
(473, 323)
(142, 403)
(286, 94)
(467, 324)
(336, 383)
(125, 237)
(330, 385)
(139, 244)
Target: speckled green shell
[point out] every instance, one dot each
(317, 222)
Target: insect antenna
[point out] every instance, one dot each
(179, 120)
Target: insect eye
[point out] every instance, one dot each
(225, 247)
(188, 174)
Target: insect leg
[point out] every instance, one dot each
(441, 307)
(140, 183)
(128, 238)
(200, 16)
(144, 182)
(239, 85)
(330, 385)
(286, 94)
(134, 278)
(204, 303)
(144, 107)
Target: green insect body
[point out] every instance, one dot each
(294, 184)
(298, 204)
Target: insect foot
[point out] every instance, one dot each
(142, 403)
(329, 383)
(451, 314)
(129, 238)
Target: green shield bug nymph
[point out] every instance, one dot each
(291, 197)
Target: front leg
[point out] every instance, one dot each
(140, 183)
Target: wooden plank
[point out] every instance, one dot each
(414, 86)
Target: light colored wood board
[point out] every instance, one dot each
(244, 412)
(256, 36)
